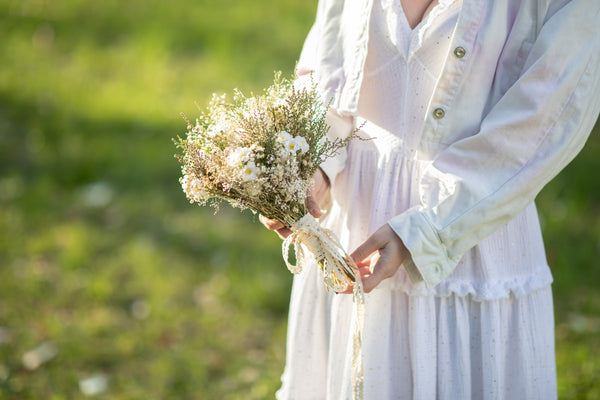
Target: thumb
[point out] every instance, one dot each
(313, 206)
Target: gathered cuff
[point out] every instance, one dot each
(428, 260)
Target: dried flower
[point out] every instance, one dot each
(216, 129)
(283, 137)
(193, 189)
(239, 156)
(300, 144)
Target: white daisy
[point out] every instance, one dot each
(250, 171)
(301, 144)
(239, 155)
(291, 146)
(284, 138)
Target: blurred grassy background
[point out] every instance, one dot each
(110, 283)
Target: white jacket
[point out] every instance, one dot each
(516, 100)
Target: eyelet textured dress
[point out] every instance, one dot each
(486, 331)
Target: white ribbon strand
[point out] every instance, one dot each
(339, 273)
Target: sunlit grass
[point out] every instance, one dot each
(102, 259)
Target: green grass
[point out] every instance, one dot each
(100, 254)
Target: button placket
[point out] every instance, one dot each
(459, 52)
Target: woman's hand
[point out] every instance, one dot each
(313, 202)
(379, 257)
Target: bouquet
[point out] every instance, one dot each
(260, 153)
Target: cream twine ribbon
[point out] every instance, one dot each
(339, 271)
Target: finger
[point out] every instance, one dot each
(275, 225)
(313, 206)
(349, 290)
(263, 220)
(364, 266)
(384, 268)
(283, 232)
(271, 224)
(364, 269)
(363, 251)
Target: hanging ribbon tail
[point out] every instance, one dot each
(358, 322)
(339, 273)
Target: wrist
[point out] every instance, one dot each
(324, 176)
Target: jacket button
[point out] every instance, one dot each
(460, 52)
(439, 113)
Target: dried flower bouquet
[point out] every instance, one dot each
(260, 153)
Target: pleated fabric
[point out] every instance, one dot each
(420, 347)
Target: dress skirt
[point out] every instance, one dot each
(477, 335)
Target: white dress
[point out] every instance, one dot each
(487, 331)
